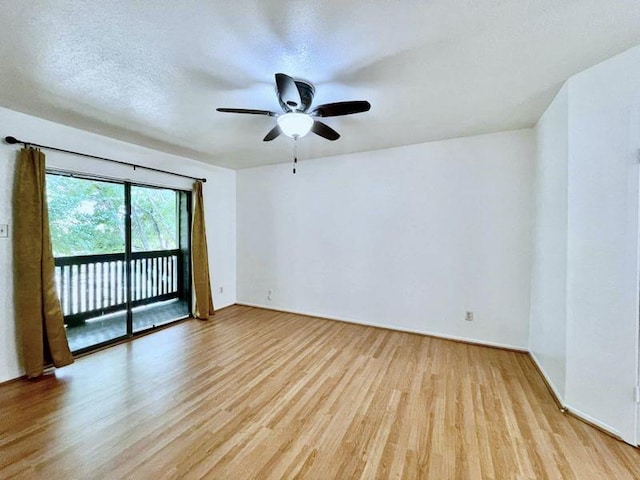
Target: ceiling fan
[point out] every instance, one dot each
(295, 97)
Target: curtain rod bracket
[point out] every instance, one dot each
(13, 140)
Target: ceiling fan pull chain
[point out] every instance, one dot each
(295, 153)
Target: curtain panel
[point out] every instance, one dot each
(203, 302)
(39, 317)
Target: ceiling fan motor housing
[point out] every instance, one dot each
(306, 90)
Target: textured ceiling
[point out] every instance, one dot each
(152, 72)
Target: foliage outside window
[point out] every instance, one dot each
(87, 217)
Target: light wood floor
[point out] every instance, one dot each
(261, 394)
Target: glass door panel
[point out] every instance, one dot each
(86, 220)
(158, 288)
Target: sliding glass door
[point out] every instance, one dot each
(122, 257)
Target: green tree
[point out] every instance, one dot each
(86, 217)
(153, 219)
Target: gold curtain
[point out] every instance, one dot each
(37, 307)
(203, 304)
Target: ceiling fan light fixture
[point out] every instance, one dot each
(294, 124)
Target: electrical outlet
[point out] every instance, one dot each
(4, 230)
(269, 294)
(469, 316)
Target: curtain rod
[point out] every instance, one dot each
(14, 140)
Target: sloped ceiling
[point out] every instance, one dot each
(152, 73)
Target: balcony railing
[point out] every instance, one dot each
(94, 285)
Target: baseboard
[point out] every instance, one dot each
(574, 412)
(218, 309)
(13, 380)
(557, 398)
(470, 341)
(603, 427)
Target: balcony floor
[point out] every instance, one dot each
(108, 327)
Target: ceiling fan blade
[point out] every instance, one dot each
(273, 133)
(341, 108)
(244, 110)
(324, 130)
(288, 91)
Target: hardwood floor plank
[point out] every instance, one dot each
(256, 393)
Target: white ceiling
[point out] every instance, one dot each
(152, 73)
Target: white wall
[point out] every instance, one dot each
(548, 329)
(602, 294)
(409, 237)
(219, 194)
(584, 302)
